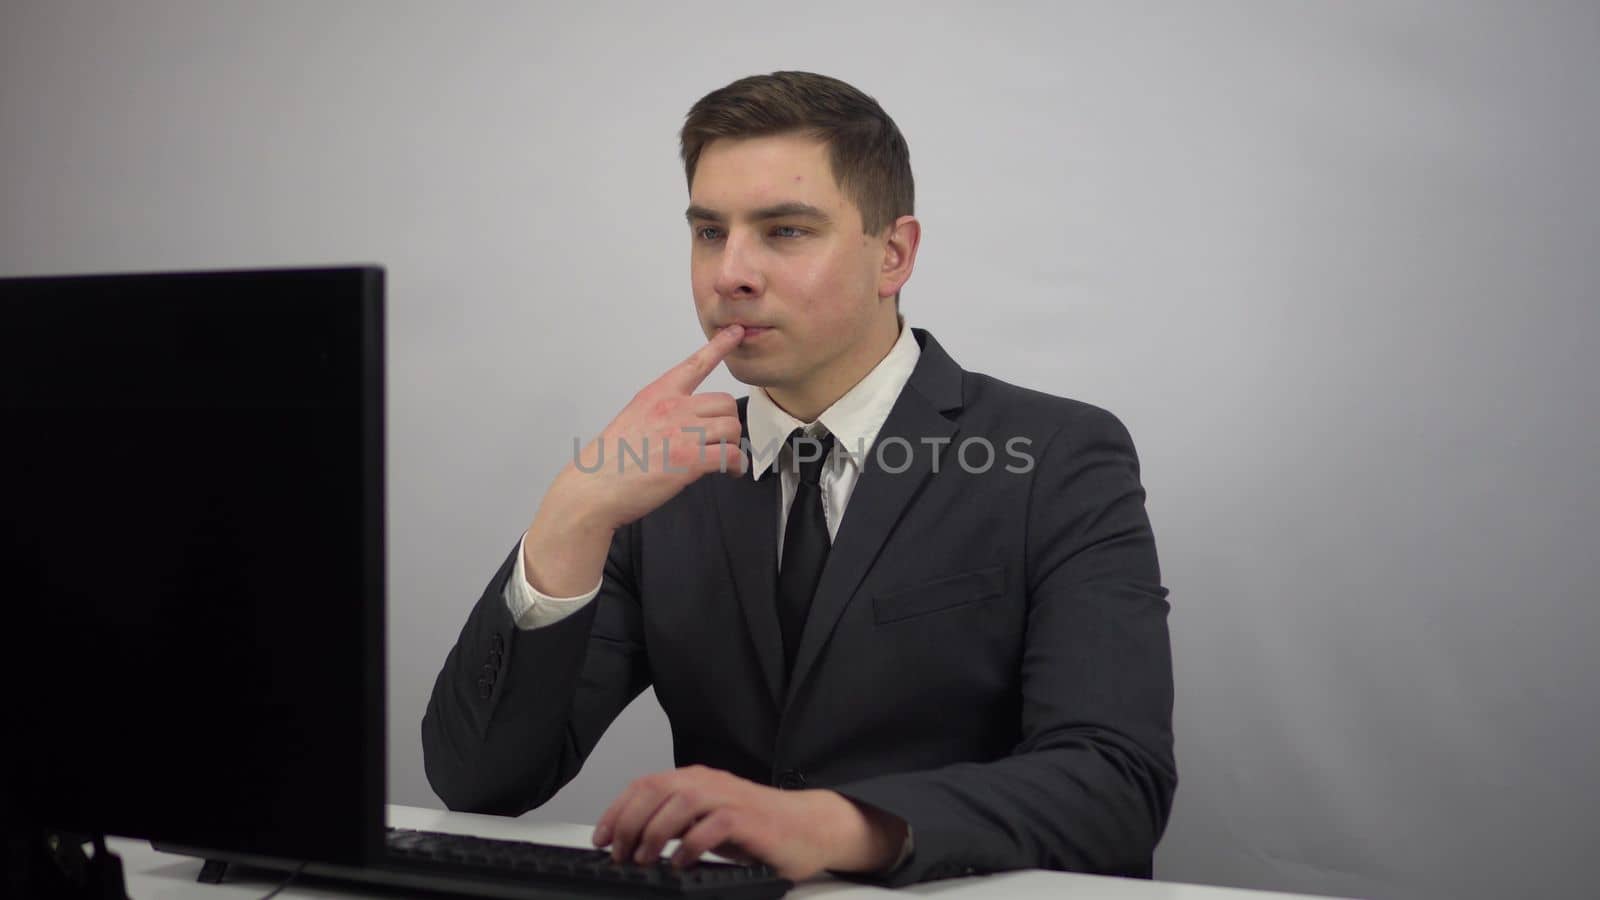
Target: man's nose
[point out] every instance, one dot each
(738, 274)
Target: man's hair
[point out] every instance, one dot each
(870, 160)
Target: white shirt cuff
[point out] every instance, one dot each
(529, 608)
(906, 849)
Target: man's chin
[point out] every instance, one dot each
(747, 372)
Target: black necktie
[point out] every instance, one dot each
(805, 541)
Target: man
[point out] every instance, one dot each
(943, 651)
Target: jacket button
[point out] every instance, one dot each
(485, 688)
(791, 780)
(496, 643)
(495, 658)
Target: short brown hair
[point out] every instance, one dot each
(870, 160)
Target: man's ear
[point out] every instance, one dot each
(899, 255)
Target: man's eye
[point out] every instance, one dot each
(787, 231)
(707, 233)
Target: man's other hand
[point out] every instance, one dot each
(797, 833)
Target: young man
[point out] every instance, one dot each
(943, 651)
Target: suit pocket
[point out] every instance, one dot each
(941, 593)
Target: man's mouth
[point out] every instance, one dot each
(750, 331)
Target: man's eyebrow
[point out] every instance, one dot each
(777, 211)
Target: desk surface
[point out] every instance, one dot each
(162, 876)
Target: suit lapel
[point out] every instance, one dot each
(877, 503)
(748, 513)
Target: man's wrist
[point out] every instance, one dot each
(862, 838)
(564, 550)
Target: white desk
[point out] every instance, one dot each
(162, 876)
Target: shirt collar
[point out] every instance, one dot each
(853, 420)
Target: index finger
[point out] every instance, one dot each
(605, 829)
(687, 375)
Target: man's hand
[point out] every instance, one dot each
(665, 438)
(679, 435)
(797, 833)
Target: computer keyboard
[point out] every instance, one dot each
(581, 871)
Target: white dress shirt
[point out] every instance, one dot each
(853, 420)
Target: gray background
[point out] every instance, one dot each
(1333, 264)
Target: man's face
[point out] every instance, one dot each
(776, 244)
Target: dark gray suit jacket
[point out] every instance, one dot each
(986, 656)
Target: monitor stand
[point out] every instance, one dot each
(213, 871)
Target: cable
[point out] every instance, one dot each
(275, 891)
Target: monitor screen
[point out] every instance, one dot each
(194, 556)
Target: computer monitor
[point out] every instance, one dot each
(193, 557)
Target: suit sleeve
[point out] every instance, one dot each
(515, 712)
(1089, 786)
